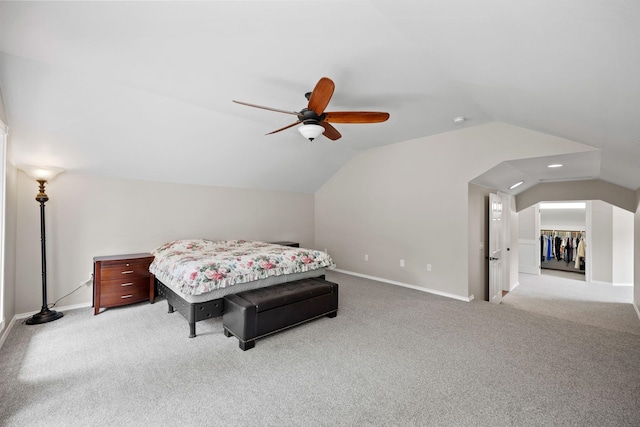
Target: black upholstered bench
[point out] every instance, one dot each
(253, 314)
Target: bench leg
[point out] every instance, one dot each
(244, 345)
(170, 308)
(192, 329)
(247, 345)
(332, 315)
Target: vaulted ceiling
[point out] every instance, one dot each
(144, 90)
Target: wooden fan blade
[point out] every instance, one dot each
(355, 117)
(286, 127)
(266, 108)
(330, 132)
(321, 95)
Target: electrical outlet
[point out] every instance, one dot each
(401, 263)
(428, 267)
(366, 257)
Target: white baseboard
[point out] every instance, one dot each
(406, 285)
(598, 282)
(5, 332)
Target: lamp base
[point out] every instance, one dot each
(44, 316)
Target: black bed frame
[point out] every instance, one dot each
(192, 311)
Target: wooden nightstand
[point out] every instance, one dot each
(292, 244)
(121, 280)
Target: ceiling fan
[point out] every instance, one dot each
(315, 121)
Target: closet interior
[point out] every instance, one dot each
(563, 250)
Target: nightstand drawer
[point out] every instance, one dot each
(119, 292)
(124, 270)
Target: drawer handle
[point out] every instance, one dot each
(126, 296)
(127, 272)
(127, 284)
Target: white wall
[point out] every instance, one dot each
(601, 241)
(622, 254)
(563, 219)
(88, 217)
(410, 201)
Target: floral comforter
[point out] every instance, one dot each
(198, 266)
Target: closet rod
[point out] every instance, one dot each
(563, 232)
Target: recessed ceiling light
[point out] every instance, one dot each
(555, 165)
(459, 120)
(516, 185)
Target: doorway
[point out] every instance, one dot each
(602, 295)
(563, 237)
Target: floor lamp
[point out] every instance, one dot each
(42, 175)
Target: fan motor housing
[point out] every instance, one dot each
(310, 117)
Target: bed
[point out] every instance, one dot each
(194, 275)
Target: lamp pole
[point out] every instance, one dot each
(45, 315)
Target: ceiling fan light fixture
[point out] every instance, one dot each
(310, 131)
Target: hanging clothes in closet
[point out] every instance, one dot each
(559, 250)
(580, 255)
(558, 247)
(568, 249)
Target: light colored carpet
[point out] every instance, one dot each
(568, 296)
(392, 357)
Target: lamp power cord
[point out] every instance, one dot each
(86, 282)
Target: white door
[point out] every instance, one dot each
(495, 248)
(529, 240)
